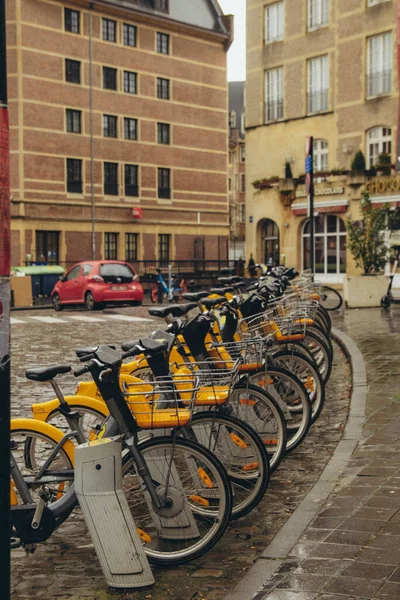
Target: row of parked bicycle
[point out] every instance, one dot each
(206, 409)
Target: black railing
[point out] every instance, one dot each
(274, 110)
(379, 84)
(317, 102)
(111, 189)
(74, 187)
(164, 192)
(131, 190)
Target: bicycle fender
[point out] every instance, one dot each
(46, 429)
(42, 410)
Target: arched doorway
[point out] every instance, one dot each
(270, 243)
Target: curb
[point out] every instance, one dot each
(278, 550)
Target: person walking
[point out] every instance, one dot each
(251, 267)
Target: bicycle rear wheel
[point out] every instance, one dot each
(199, 495)
(330, 298)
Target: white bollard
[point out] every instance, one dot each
(98, 486)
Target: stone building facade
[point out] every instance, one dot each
(237, 171)
(326, 69)
(118, 126)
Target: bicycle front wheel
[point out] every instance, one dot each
(330, 298)
(199, 496)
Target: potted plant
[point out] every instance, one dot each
(384, 165)
(356, 176)
(366, 240)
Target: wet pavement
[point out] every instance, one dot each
(354, 523)
(352, 547)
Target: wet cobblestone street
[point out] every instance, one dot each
(66, 567)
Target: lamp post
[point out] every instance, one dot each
(5, 250)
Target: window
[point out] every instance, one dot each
(230, 184)
(47, 248)
(74, 175)
(109, 28)
(74, 121)
(243, 182)
(164, 183)
(162, 5)
(320, 149)
(274, 94)
(375, 2)
(243, 153)
(110, 246)
(130, 82)
(236, 182)
(163, 248)
(379, 78)
(274, 22)
(111, 179)
(131, 180)
(271, 242)
(72, 20)
(130, 128)
(379, 141)
(129, 35)
(330, 246)
(109, 78)
(318, 13)
(162, 43)
(72, 71)
(243, 124)
(232, 119)
(86, 270)
(243, 213)
(110, 126)
(318, 84)
(131, 247)
(163, 133)
(162, 88)
(73, 273)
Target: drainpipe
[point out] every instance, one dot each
(91, 133)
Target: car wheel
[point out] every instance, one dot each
(89, 301)
(57, 303)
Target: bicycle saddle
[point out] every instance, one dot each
(89, 350)
(222, 290)
(194, 296)
(176, 310)
(211, 302)
(46, 373)
(150, 346)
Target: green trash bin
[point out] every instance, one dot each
(44, 277)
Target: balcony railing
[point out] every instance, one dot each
(131, 190)
(273, 110)
(74, 187)
(317, 102)
(379, 84)
(164, 193)
(111, 189)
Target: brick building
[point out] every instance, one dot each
(326, 69)
(237, 171)
(118, 125)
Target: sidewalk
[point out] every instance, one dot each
(351, 549)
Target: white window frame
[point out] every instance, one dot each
(232, 119)
(274, 88)
(379, 64)
(274, 22)
(320, 151)
(243, 213)
(326, 277)
(318, 14)
(371, 3)
(318, 84)
(381, 138)
(243, 182)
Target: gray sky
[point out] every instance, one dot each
(237, 52)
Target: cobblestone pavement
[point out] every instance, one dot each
(352, 548)
(66, 567)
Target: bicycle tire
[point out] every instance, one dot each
(57, 419)
(154, 294)
(325, 317)
(265, 412)
(320, 353)
(291, 391)
(243, 468)
(305, 370)
(330, 298)
(219, 518)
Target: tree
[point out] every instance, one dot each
(366, 238)
(358, 164)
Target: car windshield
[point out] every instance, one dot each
(116, 273)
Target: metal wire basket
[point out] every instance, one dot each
(163, 402)
(251, 350)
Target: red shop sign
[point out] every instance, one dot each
(137, 212)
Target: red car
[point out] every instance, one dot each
(96, 283)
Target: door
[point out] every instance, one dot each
(69, 290)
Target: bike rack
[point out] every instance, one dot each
(98, 485)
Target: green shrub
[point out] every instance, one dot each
(358, 164)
